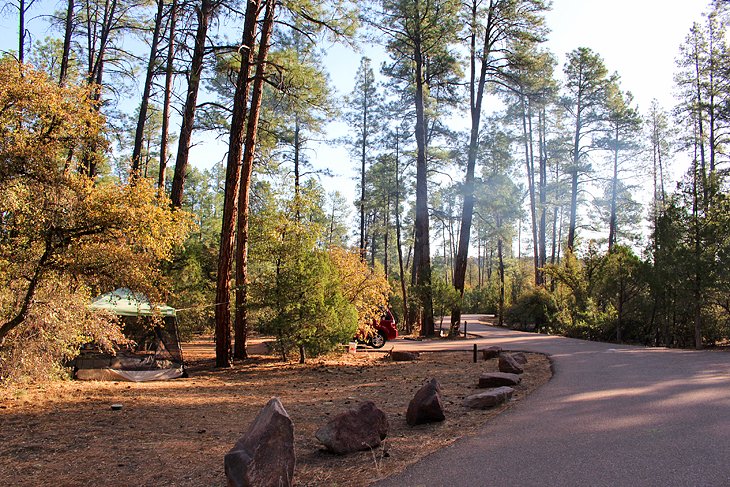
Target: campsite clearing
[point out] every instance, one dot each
(177, 432)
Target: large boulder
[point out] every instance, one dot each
(508, 364)
(491, 352)
(488, 399)
(426, 406)
(264, 455)
(520, 358)
(360, 428)
(498, 379)
(403, 356)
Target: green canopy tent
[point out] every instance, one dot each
(155, 352)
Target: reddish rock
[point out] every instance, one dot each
(356, 429)
(264, 455)
(508, 364)
(498, 379)
(520, 358)
(488, 399)
(426, 406)
(400, 356)
(491, 352)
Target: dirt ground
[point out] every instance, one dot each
(177, 432)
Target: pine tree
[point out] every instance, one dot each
(585, 94)
(420, 39)
(363, 118)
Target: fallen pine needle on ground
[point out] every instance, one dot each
(177, 432)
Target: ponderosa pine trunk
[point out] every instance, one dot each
(205, 11)
(403, 287)
(67, 36)
(422, 249)
(241, 323)
(500, 257)
(614, 187)
(530, 170)
(231, 192)
(96, 59)
(476, 95)
(166, 104)
(142, 117)
(543, 194)
(21, 32)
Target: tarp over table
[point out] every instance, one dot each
(165, 363)
(125, 302)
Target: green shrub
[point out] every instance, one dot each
(533, 309)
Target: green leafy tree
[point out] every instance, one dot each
(61, 232)
(301, 288)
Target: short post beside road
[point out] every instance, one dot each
(475, 353)
(464, 328)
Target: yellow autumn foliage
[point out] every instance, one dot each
(64, 236)
(364, 287)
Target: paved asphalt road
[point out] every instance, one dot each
(611, 416)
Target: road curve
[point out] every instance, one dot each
(612, 415)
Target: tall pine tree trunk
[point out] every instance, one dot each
(362, 174)
(476, 91)
(614, 188)
(166, 104)
(230, 201)
(530, 170)
(205, 11)
(574, 178)
(500, 256)
(21, 31)
(543, 194)
(422, 249)
(403, 287)
(67, 36)
(142, 118)
(241, 323)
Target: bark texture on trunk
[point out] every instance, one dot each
(164, 137)
(241, 323)
(230, 202)
(467, 212)
(422, 249)
(205, 11)
(142, 118)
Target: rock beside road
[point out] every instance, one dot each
(520, 358)
(264, 455)
(491, 352)
(426, 406)
(401, 356)
(508, 364)
(488, 399)
(360, 428)
(498, 379)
